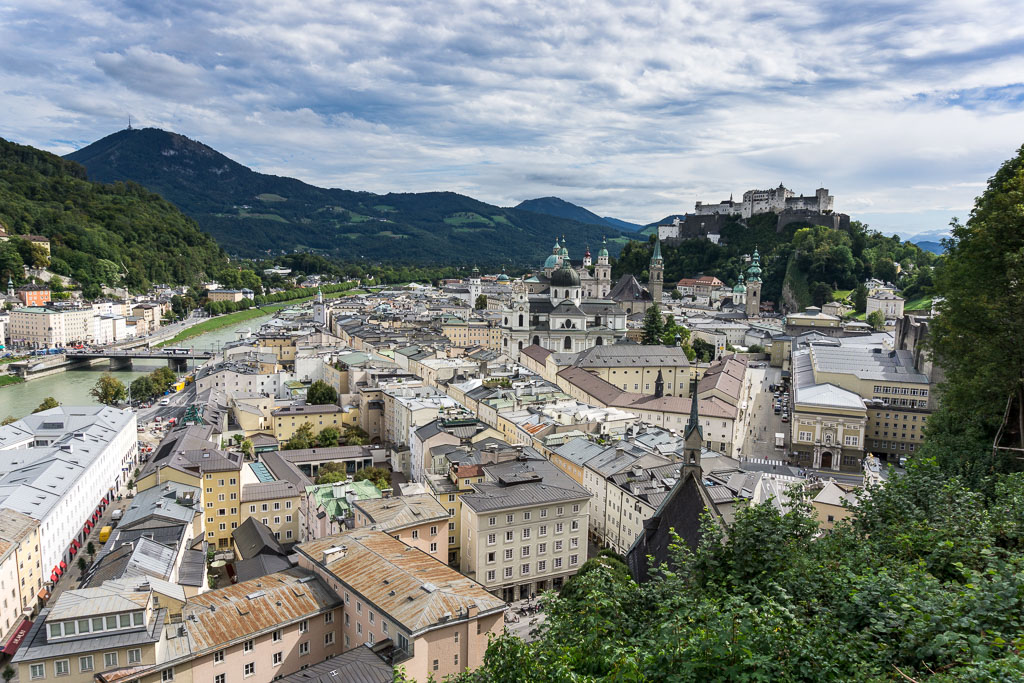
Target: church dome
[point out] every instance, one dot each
(565, 276)
(740, 287)
(551, 261)
(604, 249)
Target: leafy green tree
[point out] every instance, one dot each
(321, 393)
(653, 326)
(48, 402)
(331, 473)
(821, 294)
(8, 420)
(676, 295)
(90, 549)
(355, 435)
(9, 672)
(328, 437)
(976, 337)
(82, 566)
(860, 298)
(301, 439)
(705, 351)
(380, 476)
(109, 390)
(877, 320)
(756, 348)
(142, 388)
(481, 302)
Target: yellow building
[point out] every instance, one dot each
(276, 505)
(281, 345)
(287, 420)
(472, 333)
(447, 490)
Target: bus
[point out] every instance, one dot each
(178, 352)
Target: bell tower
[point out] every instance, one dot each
(753, 303)
(603, 271)
(656, 272)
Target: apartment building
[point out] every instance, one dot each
(472, 333)
(60, 467)
(524, 529)
(287, 420)
(418, 520)
(276, 505)
(327, 508)
(21, 572)
(39, 327)
(438, 620)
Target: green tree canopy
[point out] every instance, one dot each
(877, 320)
(321, 393)
(328, 437)
(48, 402)
(301, 439)
(481, 302)
(654, 326)
(331, 473)
(380, 476)
(109, 390)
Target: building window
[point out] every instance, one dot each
(247, 646)
(329, 638)
(433, 547)
(37, 671)
(303, 626)
(134, 655)
(435, 665)
(508, 553)
(490, 558)
(167, 675)
(218, 656)
(249, 669)
(85, 663)
(278, 658)
(509, 535)
(220, 678)
(490, 576)
(542, 548)
(304, 648)
(508, 572)
(276, 636)
(415, 533)
(62, 667)
(543, 531)
(329, 618)
(491, 521)
(526, 551)
(109, 659)
(573, 560)
(542, 566)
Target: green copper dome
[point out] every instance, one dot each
(754, 271)
(551, 261)
(740, 287)
(604, 249)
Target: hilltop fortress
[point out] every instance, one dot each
(707, 220)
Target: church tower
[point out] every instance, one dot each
(693, 437)
(753, 304)
(319, 308)
(656, 272)
(603, 272)
(587, 262)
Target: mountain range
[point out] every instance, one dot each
(253, 214)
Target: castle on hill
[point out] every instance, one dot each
(774, 200)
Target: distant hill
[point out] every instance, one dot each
(553, 206)
(934, 247)
(252, 213)
(116, 235)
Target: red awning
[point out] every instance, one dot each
(94, 516)
(85, 529)
(54, 577)
(76, 543)
(17, 637)
(73, 549)
(104, 500)
(63, 564)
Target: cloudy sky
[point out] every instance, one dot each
(632, 109)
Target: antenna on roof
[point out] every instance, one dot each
(129, 121)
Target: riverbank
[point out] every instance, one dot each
(8, 380)
(228, 319)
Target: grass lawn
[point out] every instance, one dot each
(7, 380)
(12, 359)
(270, 197)
(841, 294)
(918, 304)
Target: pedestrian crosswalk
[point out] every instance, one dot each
(764, 461)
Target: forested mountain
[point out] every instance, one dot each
(252, 213)
(802, 264)
(553, 206)
(119, 234)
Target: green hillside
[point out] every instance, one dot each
(802, 264)
(118, 235)
(554, 206)
(252, 213)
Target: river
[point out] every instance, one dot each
(72, 387)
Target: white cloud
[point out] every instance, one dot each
(633, 111)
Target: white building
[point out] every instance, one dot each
(41, 327)
(774, 200)
(58, 467)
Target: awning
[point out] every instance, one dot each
(43, 594)
(14, 642)
(76, 543)
(86, 528)
(63, 564)
(73, 550)
(105, 500)
(54, 577)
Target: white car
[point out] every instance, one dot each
(165, 401)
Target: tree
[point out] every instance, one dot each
(756, 348)
(247, 447)
(821, 294)
(380, 476)
(9, 672)
(860, 298)
(877, 320)
(676, 295)
(328, 437)
(48, 402)
(355, 435)
(654, 327)
(109, 390)
(481, 302)
(8, 420)
(331, 473)
(82, 566)
(90, 549)
(705, 350)
(142, 388)
(301, 439)
(321, 393)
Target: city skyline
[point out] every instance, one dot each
(902, 112)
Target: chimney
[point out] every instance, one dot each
(334, 552)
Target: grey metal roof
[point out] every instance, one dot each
(252, 538)
(358, 665)
(551, 485)
(37, 646)
(268, 490)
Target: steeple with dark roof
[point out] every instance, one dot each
(693, 437)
